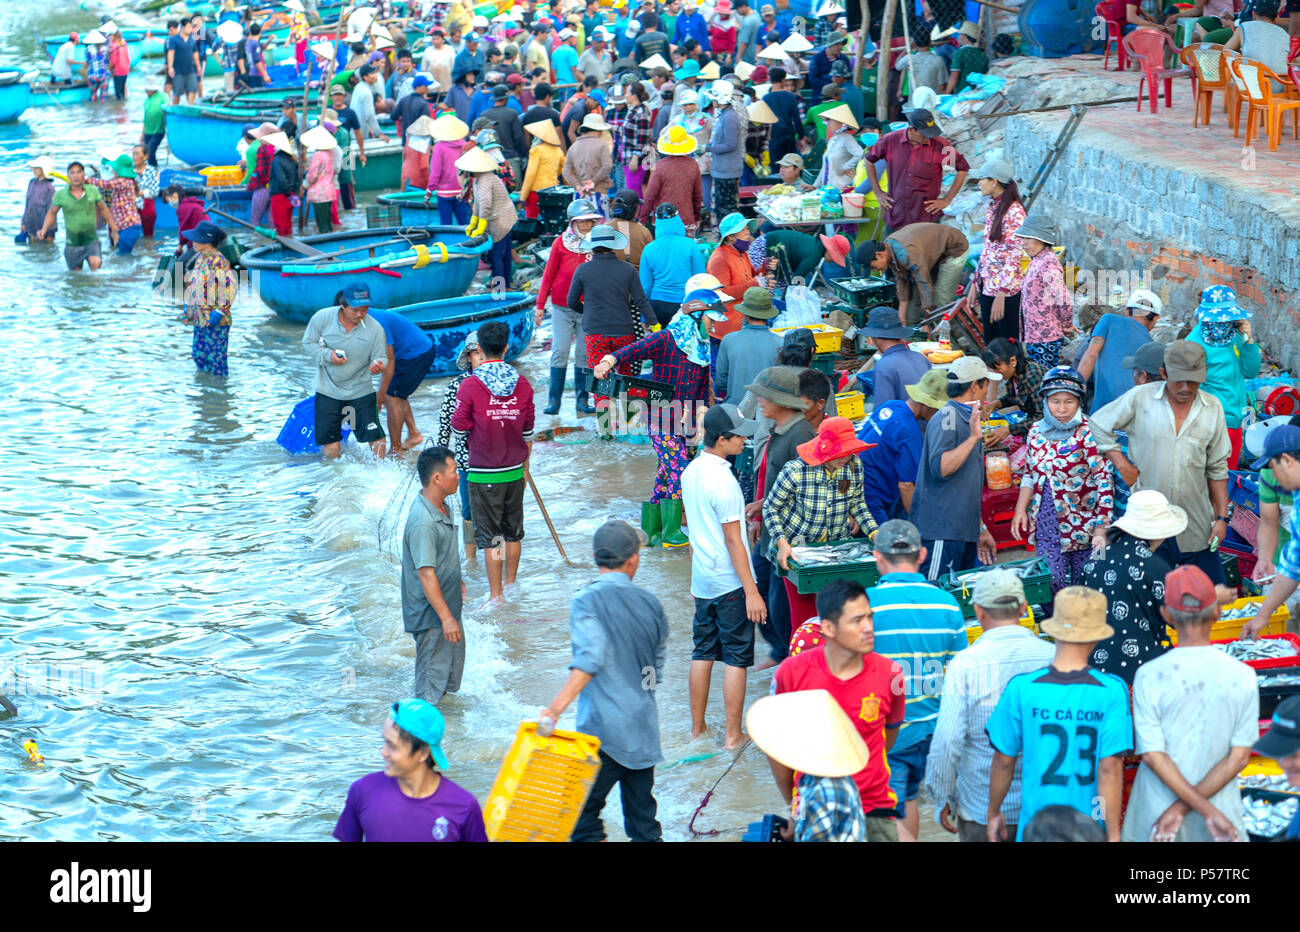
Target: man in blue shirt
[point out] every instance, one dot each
(1282, 743)
(746, 352)
(920, 627)
(1115, 337)
(565, 58)
(468, 59)
(411, 352)
(1069, 722)
(747, 34)
(897, 430)
(619, 635)
(819, 69)
(897, 364)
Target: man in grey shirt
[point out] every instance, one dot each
(596, 59)
(747, 34)
(432, 591)
(348, 348)
(742, 355)
(619, 635)
(950, 480)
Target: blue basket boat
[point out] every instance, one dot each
(296, 286)
(412, 207)
(15, 95)
(134, 45)
(450, 320)
(59, 95)
(206, 135)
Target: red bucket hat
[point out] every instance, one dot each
(837, 247)
(835, 438)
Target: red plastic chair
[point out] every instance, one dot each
(1114, 33)
(1148, 46)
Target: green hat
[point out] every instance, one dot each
(422, 720)
(931, 390)
(122, 166)
(757, 303)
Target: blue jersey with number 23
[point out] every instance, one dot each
(1063, 724)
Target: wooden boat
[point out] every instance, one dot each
(59, 95)
(134, 46)
(296, 286)
(450, 320)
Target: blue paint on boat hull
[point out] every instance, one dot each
(450, 320)
(14, 99)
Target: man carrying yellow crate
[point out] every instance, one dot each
(619, 634)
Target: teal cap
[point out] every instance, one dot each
(425, 722)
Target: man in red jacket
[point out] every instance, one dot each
(494, 415)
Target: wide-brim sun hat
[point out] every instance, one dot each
(1219, 305)
(264, 130)
(841, 114)
(603, 236)
(779, 385)
(835, 438)
(807, 731)
(44, 163)
(476, 161)
(544, 130)
(732, 223)
(449, 128)
(471, 344)
(1040, 228)
(1151, 516)
(594, 122)
(123, 166)
(690, 69)
(797, 43)
(676, 141)
(837, 247)
(883, 322)
(318, 137)
(932, 390)
(760, 112)
(1078, 616)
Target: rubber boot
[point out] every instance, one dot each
(557, 390)
(652, 523)
(584, 397)
(671, 511)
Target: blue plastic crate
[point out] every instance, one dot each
(298, 436)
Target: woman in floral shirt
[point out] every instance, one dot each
(470, 357)
(1046, 308)
(997, 280)
(1066, 478)
(210, 289)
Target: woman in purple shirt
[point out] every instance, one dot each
(410, 800)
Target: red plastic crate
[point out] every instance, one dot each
(1271, 663)
(997, 508)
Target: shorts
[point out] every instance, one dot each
(722, 631)
(409, 373)
(362, 415)
(76, 256)
(497, 509)
(907, 770)
(185, 84)
(881, 827)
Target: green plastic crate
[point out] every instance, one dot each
(810, 579)
(1038, 584)
(825, 362)
(1231, 569)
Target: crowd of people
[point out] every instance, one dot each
(656, 117)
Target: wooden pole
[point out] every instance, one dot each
(302, 150)
(532, 485)
(882, 67)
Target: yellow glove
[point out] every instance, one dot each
(469, 229)
(655, 328)
(481, 228)
(767, 161)
(749, 160)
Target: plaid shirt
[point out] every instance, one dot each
(821, 31)
(805, 504)
(689, 381)
(635, 133)
(435, 13)
(120, 194)
(1022, 390)
(829, 809)
(262, 167)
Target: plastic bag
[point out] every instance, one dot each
(802, 306)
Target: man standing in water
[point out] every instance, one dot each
(432, 590)
(494, 411)
(619, 635)
(348, 349)
(81, 207)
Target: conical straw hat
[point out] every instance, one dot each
(808, 732)
(280, 141)
(760, 112)
(797, 43)
(544, 130)
(318, 137)
(655, 61)
(841, 114)
(449, 128)
(476, 160)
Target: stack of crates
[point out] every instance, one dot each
(552, 208)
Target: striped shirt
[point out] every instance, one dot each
(920, 627)
(961, 758)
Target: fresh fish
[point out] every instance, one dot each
(1274, 782)
(828, 555)
(1265, 817)
(1291, 678)
(1259, 649)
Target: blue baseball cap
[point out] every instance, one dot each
(1285, 438)
(425, 722)
(357, 294)
(421, 80)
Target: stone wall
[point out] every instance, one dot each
(1183, 222)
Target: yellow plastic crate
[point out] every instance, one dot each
(542, 786)
(1261, 766)
(852, 405)
(220, 176)
(826, 339)
(1231, 630)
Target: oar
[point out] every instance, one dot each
(452, 251)
(532, 485)
(352, 249)
(286, 241)
(7, 705)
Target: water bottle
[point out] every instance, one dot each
(945, 332)
(546, 726)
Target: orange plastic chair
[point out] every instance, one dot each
(1256, 86)
(1114, 33)
(1148, 46)
(1210, 74)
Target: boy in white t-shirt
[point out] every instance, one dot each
(1196, 714)
(727, 601)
